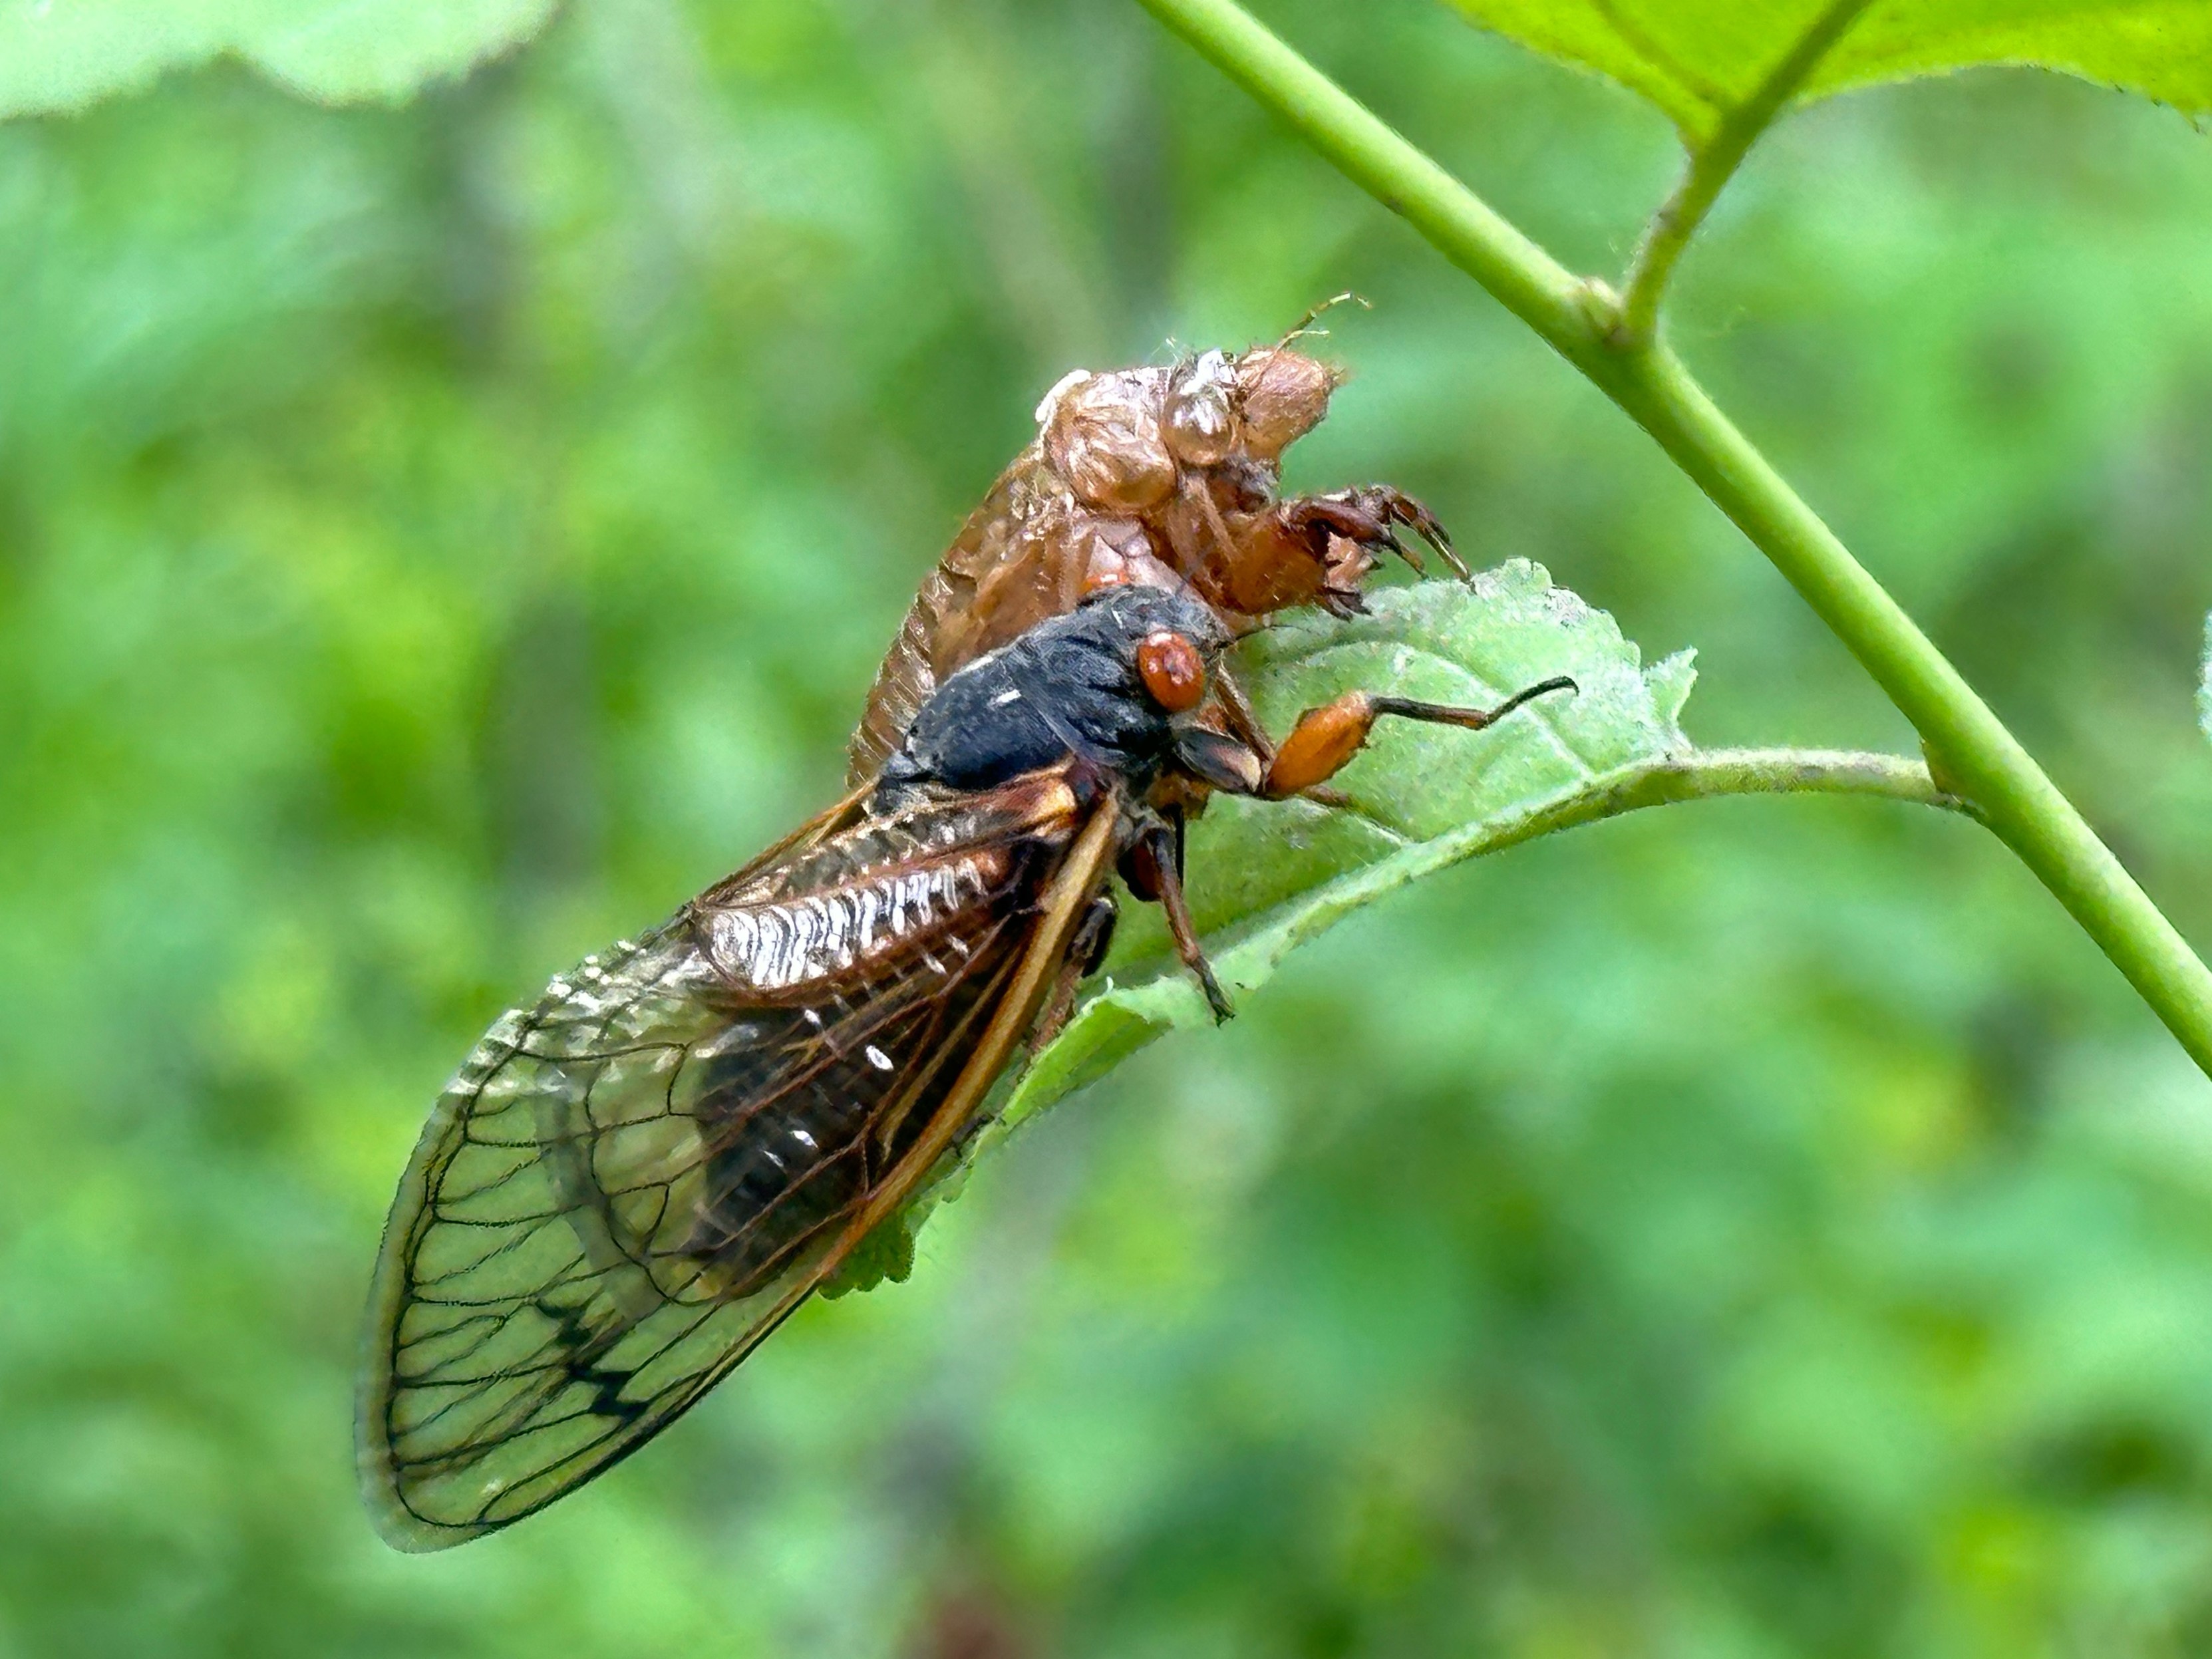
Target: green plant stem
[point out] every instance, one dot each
(1713, 163)
(1581, 319)
(1710, 774)
(1672, 779)
(1698, 775)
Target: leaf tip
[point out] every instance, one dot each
(2204, 684)
(1669, 681)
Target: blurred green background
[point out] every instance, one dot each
(434, 541)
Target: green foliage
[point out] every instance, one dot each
(1699, 59)
(65, 56)
(433, 541)
(1613, 338)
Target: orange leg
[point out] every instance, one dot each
(1323, 740)
(1326, 737)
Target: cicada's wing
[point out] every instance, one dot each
(631, 1182)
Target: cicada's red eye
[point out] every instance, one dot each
(1172, 669)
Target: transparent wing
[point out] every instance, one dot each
(627, 1187)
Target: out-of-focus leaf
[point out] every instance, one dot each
(58, 55)
(424, 555)
(1698, 59)
(1267, 876)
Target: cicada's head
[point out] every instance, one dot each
(1282, 394)
(1109, 683)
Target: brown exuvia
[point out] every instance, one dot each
(1164, 477)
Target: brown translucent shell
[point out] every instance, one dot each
(1156, 475)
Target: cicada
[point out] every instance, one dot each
(636, 1178)
(1159, 476)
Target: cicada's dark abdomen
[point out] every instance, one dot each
(792, 1155)
(865, 976)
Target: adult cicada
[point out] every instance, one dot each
(1159, 476)
(633, 1181)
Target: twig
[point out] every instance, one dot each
(1712, 164)
(1580, 318)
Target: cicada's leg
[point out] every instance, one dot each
(1236, 713)
(1306, 549)
(1084, 952)
(1154, 868)
(1367, 516)
(1326, 737)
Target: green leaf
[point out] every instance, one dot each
(1267, 876)
(1698, 59)
(58, 55)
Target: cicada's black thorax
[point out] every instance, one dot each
(1070, 686)
(907, 917)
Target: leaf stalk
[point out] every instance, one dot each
(1712, 163)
